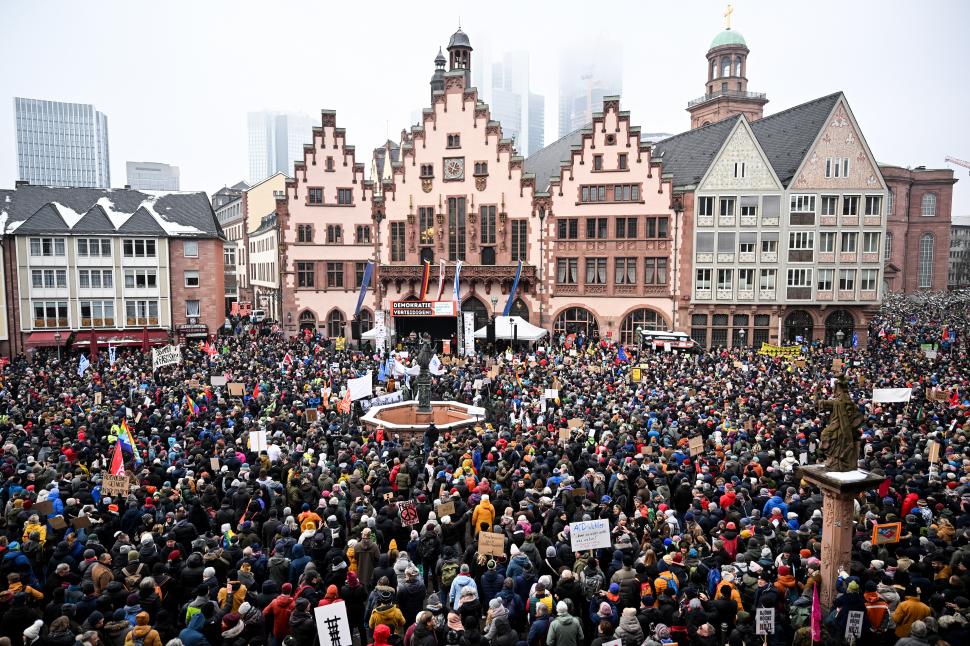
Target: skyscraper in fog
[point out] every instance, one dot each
(152, 176)
(276, 141)
(587, 72)
(511, 103)
(61, 144)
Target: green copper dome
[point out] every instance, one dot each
(728, 37)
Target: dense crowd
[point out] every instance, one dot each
(219, 544)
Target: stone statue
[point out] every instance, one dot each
(840, 439)
(423, 380)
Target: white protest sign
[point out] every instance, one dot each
(166, 356)
(853, 626)
(218, 380)
(590, 535)
(469, 336)
(257, 441)
(361, 387)
(765, 621)
(552, 393)
(333, 627)
(889, 395)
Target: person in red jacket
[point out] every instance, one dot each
(909, 502)
(278, 611)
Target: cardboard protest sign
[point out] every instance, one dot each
(491, 543)
(934, 451)
(257, 441)
(579, 492)
(45, 507)
(575, 422)
(193, 383)
(57, 522)
(114, 485)
(765, 621)
(333, 627)
(98, 397)
(837, 365)
(696, 445)
(590, 535)
(218, 380)
(445, 509)
(312, 414)
(81, 522)
(564, 434)
(409, 513)
(236, 389)
(214, 464)
(388, 496)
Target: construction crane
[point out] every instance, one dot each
(958, 162)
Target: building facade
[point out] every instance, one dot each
(61, 144)
(264, 267)
(227, 204)
(258, 201)
(917, 246)
(85, 263)
(959, 272)
(726, 90)
(152, 176)
(275, 141)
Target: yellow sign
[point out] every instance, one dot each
(780, 350)
(339, 344)
(635, 375)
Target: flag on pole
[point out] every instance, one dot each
(621, 354)
(457, 286)
(512, 293)
(425, 275)
(441, 279)
(124, 437)
(816, 615)
(118, 461)
(364, 284)
(256, 391)
(344, 404)
(193, 408)
(83, 363)
(382, 373)
(112, 354)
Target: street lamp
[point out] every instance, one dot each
(742, 332)
(678, 211)
(57, 340)
(839, 336)
(494, 304)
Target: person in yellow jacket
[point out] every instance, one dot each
(484, 514)
(909, 610)
(238, 592)
(33, 525)
(351, 556)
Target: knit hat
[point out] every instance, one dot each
(605, 610)
(853, 586)
(562, 609)
(494, 604)
(244, 608)
(918, 629)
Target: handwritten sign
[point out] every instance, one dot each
(312, 415)
(409, 513)
(886, 533)
(214, 464)
(81, 522)
(333, 626)
(578, 492)
(445, 509)
(98, 396)
(236, 389)
(114, 485)
(934, 451)
(635, 375)
(575, 422)
(589, 535)
(765, 621)
(564, 434)
(853, 626)
(218, 380)
(491, 543)
(696, 445)
(43, 508)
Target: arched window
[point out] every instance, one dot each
(366, 320)
(889, 246)
(713, 70)
(642, 318)
(335, 324)
(839, 320)
(737, 66)
(578, 320)
(891, 202)
(925, 269)
(472, 304)
(427, 253)
(798, 324)
(726, 66)
(520, 309)
(929, 204)
(308, 320)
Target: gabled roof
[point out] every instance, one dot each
(46, 219)
(142, 223)
(546, 162)
(94, 221)
(687, 156)
(786, 137)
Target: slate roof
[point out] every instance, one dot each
(67, 210)
(787, 136)
(688, 155)
(546, 162)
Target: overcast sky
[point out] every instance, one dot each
(176, 78)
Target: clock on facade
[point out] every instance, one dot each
(454, 170)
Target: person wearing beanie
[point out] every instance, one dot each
(492, 580)
(565, 629)
(786, 585)
(540, 595)
(849, 601)
(423, 632)
(355, 597)
(302, 627)
(918, 635)
(277, 614)
(629, 629)
(602, 609)
(484, 515)
(877, 610)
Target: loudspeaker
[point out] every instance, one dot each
(490, 331)
(355, 330)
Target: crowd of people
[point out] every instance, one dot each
(218, 543)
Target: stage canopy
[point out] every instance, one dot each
(507, 327)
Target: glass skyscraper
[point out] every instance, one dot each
(276, 141)
(61, 144)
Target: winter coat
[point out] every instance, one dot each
(144, 632)
(565, 630)
(192, 634)
(367, 553)
(484, 513)
(389, 615)
(279, 611)
(303, 628)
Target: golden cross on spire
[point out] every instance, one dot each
(727, 16)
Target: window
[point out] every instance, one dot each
(801, 240)
(567, 228)
(849, 241)
(749, 205)
(456, 228)
(769, 244)
(141, 313)
(655, 271)
(426, 225)
(567, 271)
(705, 242)
(315, 196)
(345, 196)
(925, 264)
(928, 205)
(698, 329)
(873, 205)
(596, 228)
(644, 319)
(47, 247)
(190, 248)
(802, 204)
(138, 248)
(870, 242)
(397, 241)
(747, 243)
(891, 202)
(612, 193)
(520, 239)
(826, 242)
(762, 329)
(329, 164)
(363, 234)
(727, 206)
(887, 252)
(766, 282)
(50, 314)
(837, 167)
(97, 313)
(481, 168)
(746, 279)
(847, 279)
(825, 277)
(335, 274)
(335, 234)
(705, 206)
(626, 227)
(191, 279)
(57, 278)
(656, 227)
(867, 279)
(454, 140)
(739, 169)
(596, 271)
(830, 204)
(597, 162)
(304, 233)
(335, 324)
(799, 277)
(359, 269)
(94, 247)
(141, 279)
(626, 271)
(621, 161)
(703, 279)
(725, 279)
(427, 171)
(850, 205)
(305, 273)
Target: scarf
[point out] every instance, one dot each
(454, 622)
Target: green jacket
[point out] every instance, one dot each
(565, 630)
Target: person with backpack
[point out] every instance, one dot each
(143, 634)
(429, 550)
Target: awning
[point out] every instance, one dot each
(370, 334)
(121, 337)
(508, 327)
(44, 339)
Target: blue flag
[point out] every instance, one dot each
(382, 374)
(83, 363)
(621, 354)
(364, 283)
(855, 339)
(515, 288)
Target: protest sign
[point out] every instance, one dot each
(257, 441)
(361, 387)
(382, 400)
(97, 398)
(409, 513)
(45, 507)
(57, 522)
(214, 464)
(578, 492)
(635, 375)
(765, 621)
(236, 389)
(114, 485)
(934, 451)
(312, 414)
(575, 422)
(218, 380)
(445, 509)
(779, 350)
(333, 627)
(81, 522)
(193, 383)
(837, 365)
(886, 533)
(853, 626)
(388, 496)
(696, 445)
(590, 535)
(564, 434)
(340, 344)
(161, 357)
(491, 543)
(890, 395)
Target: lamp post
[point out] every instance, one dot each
(494, 300)
(839, 337)
(742, 332)
(57, 340)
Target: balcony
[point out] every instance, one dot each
(703, 294)
(823, 295)
(766, 295)
(872, 220)
(725, 294)
(749, 220)
(827, 220)
(867, 295)
(487, 274)
(848, 256)
(726, 221)
(703, 256)
(826, 256)
(850, 220)
(729, 94)
(769, 256)
(846, 294)
(725, 257)
(769, 221)
(869, 256)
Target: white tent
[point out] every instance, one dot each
(370, 334)
(509, 327)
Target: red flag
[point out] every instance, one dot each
(424, 280)
(955, 398)
(256, 391)
(344, 405)
(816, 621)
(117, 461)
(287, 359)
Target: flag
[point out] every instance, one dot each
(256, 391)
(125, 438)
(364, 284)
(193, 408)
(112, 354)
(83, 363)
(621, 354)
(382, 373)
(425, 275)
(816, 615)
(946, 334)
(515, 288)
(287, 359)
(955, 398)
(457, 286)
(855, 339)
(441, 279)
(344, 404)
(118, 461)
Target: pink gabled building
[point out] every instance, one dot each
(327, 236)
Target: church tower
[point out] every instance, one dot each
(460, 54)
(438, 78)
(726, 91)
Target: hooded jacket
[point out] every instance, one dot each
(565, 630)
(144, 632)
(279, 611)
(192, 635)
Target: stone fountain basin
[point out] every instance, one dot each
(404, 418)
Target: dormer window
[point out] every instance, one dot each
(481, 168)
(427, 170)
(454, 140)
(329, 164)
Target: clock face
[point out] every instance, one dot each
(454, 169)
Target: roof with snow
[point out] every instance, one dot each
(86, 211)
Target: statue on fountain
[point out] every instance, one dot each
(423, 380)
(840, 439)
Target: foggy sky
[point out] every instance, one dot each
(176, 78)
